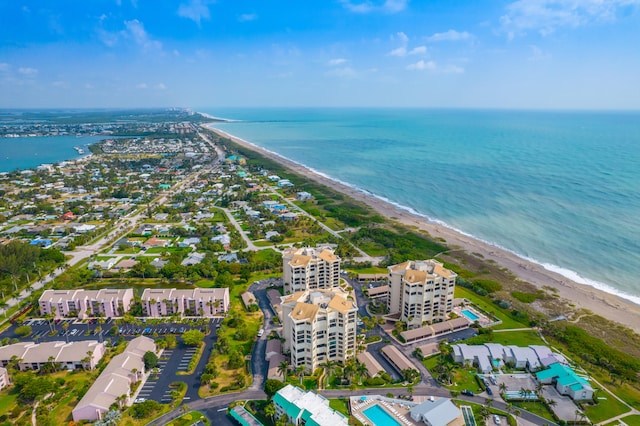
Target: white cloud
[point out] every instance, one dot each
(403, 50)
(4, 66)
(160, 86)
(537, 54)
(419, 50)
(435, 68)
(451, 35)
(88, 86)
(337, 61)
(26, 71)
(400, 51)
(343, 72)
(247, 17)
(387, 6)
(422, 65)
(136, 31)
(142, 86)
(545, 16)
(60, 84)
(196, 10)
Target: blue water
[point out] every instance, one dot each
(379, 417)
(28, 153)
(558, 188)
(467, 313)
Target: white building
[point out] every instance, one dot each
(420, 292)
(68, 356)
(114, 383)
(306, 408)
(310, 268)
(206, 302)
(319, 326)
(86, 303)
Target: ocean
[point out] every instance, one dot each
(29, 152)
(558, 188)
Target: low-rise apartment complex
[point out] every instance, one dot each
(310, 268)
(319, 326)
(86, 303)
(65, 356)
(306, 408)
(204, 302)
(420, 292)
(114, 383)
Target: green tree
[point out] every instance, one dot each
(272, 386)
(192, 337)
(150, 360)
(24, 330)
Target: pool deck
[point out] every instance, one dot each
(396, 408)
(483, 320)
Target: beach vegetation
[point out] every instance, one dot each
(525, 297)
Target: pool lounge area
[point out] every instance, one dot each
(473, 314)
(376, 410)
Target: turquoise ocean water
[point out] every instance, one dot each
(559, 188)
(27, 153)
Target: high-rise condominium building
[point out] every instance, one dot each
(421, 292)
(319, 326)
(310, 268)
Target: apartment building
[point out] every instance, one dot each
(306, 408)
(310, 268)
(203, 302)
(114, 384)
(319, 326)
(420, 292)
(86, 303)
(68, 356)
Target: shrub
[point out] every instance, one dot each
(490, 286)
(527, 297)
(374, 381)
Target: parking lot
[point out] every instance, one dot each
(70, 329)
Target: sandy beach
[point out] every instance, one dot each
(599, 302)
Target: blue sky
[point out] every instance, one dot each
(455, 53)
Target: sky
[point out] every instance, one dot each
(521, 54)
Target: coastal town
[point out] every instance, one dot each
(175, 277)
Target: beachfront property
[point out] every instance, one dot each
(306, 408)
(435, 330)
(114, 383)
(566, 382)
(319, 326)
(380, 410)
(86, 303)
(490, 356)
(420, 292)
(83, 354)
(204, 302)
(310, 268)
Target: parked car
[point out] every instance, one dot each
(467, 392)
(496, 419)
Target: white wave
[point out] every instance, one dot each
(212, 117)
(567, 273)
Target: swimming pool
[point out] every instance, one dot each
(467, 313)
(379, 417)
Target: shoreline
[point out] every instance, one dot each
(599, 302)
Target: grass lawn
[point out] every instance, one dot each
(160, 250)
(340, 405)
(463, 379)
(7, 401)
(371, 270)
(518, 338)
(484, 303)
(605, 409)
(631, 420)
(263, 243)
(628, 393)
(535, 408)
(189, 419)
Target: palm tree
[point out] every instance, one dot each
(270, 410)
(283, 368)
(300, 372)
(361, 370)
(329, 368)
(488, 402)
(502, 387)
